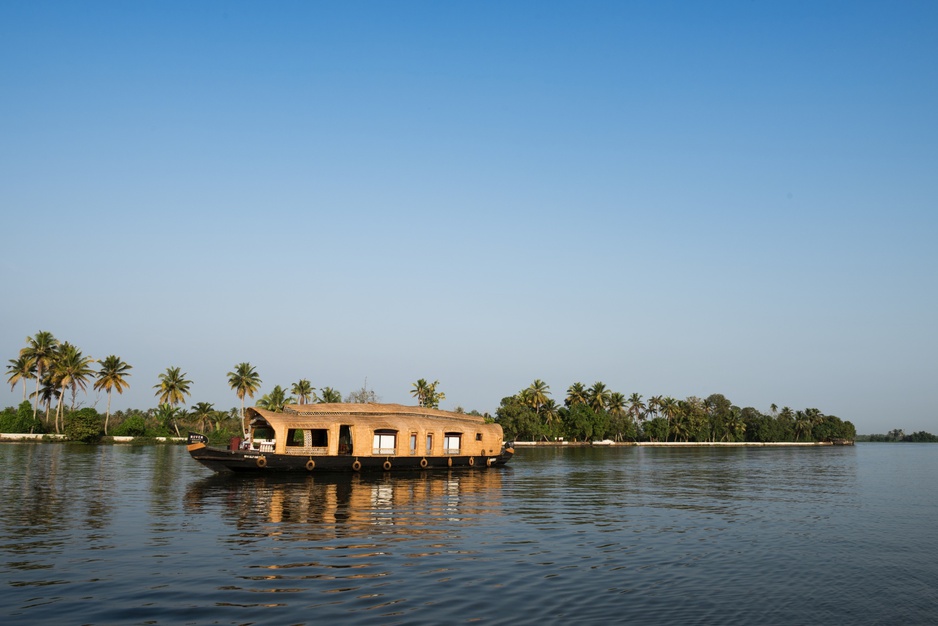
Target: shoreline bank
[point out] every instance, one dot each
(32, 437)
(676, 444)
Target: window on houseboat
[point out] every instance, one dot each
(385, 442)
(345, 439)
(451, 443)
(429, 444)
(263, 432)
(413, 443)
(262, 438)
(296, 438)
(319, 438)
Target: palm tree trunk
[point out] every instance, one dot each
(107, 415)
(58, 410)
(36, 403)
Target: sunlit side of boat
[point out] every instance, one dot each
(356, 438)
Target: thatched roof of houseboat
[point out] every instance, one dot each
(373, 413)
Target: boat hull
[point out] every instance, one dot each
(224, 460)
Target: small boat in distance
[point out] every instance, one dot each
(356, 437)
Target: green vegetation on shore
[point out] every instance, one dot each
(60, 370)
(898, 435)
(597, 413)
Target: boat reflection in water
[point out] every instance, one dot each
(340, 505)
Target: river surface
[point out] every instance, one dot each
(144, 535)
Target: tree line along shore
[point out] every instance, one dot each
(598, 413)
(54, 373)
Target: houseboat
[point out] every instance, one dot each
(356, 438)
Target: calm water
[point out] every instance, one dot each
(123, 535)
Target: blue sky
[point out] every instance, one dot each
(673, 198)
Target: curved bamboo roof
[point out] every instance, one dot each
(323, 412)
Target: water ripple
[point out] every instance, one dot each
(142, 535)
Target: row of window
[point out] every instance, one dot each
(384, 444)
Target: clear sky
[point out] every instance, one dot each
(674, 198)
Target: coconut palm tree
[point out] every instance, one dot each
(39, 351)
(70, 368)
(681, 424)
(735, 423)
(202, 411)
(654, 404)
(20, 370)
(419, 391)
(550, 412)
(426, 394)
(303, 389)
(275, 400)
(173, 387)
(245, 381)
(48, 393)
(82, 375)
(576, 394)
(525, 397)
(616, 404)
(617, 411)
(619, 422)
(434, 397)
(330, 395)
(537, 394)
(221, 417)
(111, 377)
(803, 424)
(815, 417)
(636, 407)
(166, 415)
(598, 396)
(670, 409)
